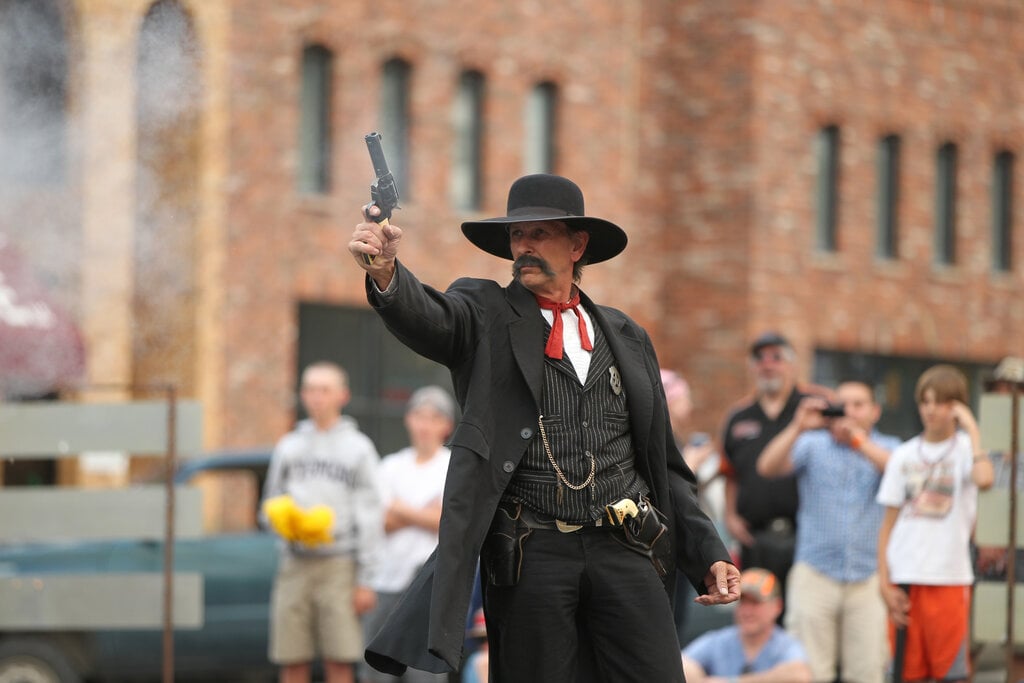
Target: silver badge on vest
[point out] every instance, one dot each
(615, 380)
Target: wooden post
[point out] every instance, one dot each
(170, 465)
(1011, 546)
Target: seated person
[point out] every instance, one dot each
(754, 645)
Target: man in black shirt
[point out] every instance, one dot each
(760, 513)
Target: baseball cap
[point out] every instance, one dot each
(759, 584)
(769, 338)
(1010, 369)
(434, 397)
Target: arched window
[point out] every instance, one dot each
(314, 175)
(827, 197)
(1002, 211)
(168, 105)
(394, 120)
(539, 142)
(945, 204)
(888, 197)
(33, 92)
(467, 181)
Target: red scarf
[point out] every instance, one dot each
(553, 349)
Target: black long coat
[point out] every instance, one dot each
(492, 340)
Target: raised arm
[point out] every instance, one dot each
(436, 325)
(982, 473)
(776, 459)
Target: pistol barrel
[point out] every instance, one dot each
(380, 164)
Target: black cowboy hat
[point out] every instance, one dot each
(544, 197)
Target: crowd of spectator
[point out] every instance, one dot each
(843, 533)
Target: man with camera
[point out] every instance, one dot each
(834, 605)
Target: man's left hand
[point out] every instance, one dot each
(723, 584)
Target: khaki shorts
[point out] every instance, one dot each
(311, 611)
(838, 621)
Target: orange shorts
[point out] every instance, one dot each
(937, 634)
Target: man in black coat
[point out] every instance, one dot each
(560, 464)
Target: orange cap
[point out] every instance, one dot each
(759, 584)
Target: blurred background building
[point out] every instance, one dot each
(178, 181)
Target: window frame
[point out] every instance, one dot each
(396, 79)
(313, 174)
(946, 171)
(1002, 210)
(541, 128)
(888, 188)
(467, 157)
(826, 232)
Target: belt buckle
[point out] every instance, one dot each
(567, 528)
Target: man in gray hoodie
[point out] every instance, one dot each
(320, 497)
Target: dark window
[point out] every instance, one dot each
(888, 197)
(28, 472)
(394, 121)
(827, 195)
(469, 128)
(383, 373)
(541, 110)
(1002, 212)
(945, 204)
(315, 121)
(33, 92)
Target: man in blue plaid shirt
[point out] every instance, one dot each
(834, 604)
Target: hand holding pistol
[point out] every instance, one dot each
(383, 192)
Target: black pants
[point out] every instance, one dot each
(582, 597)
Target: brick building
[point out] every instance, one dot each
(840, 171)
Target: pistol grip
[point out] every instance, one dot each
(381, 221)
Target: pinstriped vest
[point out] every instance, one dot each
(579, 420)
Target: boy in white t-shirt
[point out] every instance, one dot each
(930, 490)
(411, 484)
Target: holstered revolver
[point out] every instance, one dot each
(618, 511)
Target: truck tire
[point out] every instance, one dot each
(34, 660)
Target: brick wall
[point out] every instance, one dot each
(690, 123)
(930, 72)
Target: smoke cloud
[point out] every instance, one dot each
(41, 177)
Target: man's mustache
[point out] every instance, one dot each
(531, 260)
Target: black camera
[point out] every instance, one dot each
(834, 410)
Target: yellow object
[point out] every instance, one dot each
(293, 523)
(281, 512)
(315, 526)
